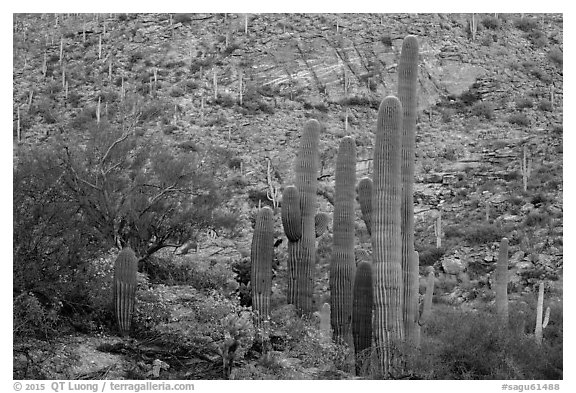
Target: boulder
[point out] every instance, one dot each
(453, 265)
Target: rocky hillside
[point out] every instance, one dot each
(490, 104)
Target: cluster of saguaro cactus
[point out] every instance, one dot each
(343, 264)
(261, 256)
(298, 219)
(387, 208)
(124, 288)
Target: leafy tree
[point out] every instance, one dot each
(82, 194)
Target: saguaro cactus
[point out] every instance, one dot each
(502, 284)
(365, 199)
(261, 256)
(362, 314)
(302, 249)
(541, 324)
(343, 265)
(325, 328)
(386, 237)
(427, 306)
(321, 223)
(407, 94)
(124, 288)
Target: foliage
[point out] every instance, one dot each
(555, 54)
(519, 119)
(471, 345)
(523, 102)
(430, 255)
(491, 22)
(32, 319)
(545, 105)
(526, 24)
(79, 194)
(474, 233)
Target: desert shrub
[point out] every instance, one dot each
(169, 129)
(259, 196)
(154, 109)
(537, 38)
(488, 40)
(430, 255)
(483, 109)
(526, 24)
(536, 218)
(542, 75)
(523, 102)
(472, 345)
(226, 100)
(447, 115)
(182, 18)
(545, 105)
(358, 100)
(135, 57)
(491, 22)
(235, 163)
(176, 91)
(185, 270)
(555, 54)
(519, 119)
(475, 233)
(471, 96)
(32, 318)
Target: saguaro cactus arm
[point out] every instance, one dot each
(365, 200)
(291, 216)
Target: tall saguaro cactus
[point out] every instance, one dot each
(407, 94)
(362, 314)
(386, 236)
(343, 265)
(502, 284)
(124, 288)
(261, 256)
(301, 231)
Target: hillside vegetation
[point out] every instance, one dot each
(167, 133)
